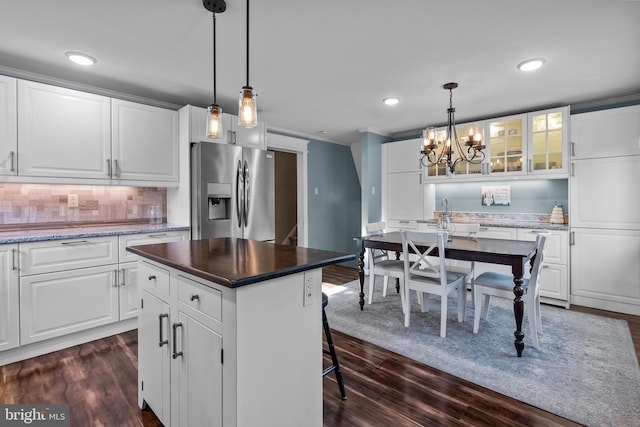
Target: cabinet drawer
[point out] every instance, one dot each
(506, 233)
(67, 254)
(153, 277)
(200, 297)
(147, 239)
(401, 224)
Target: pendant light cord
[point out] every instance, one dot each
(214, 58)
(247, 43)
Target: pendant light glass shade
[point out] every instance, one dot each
(247, 110)
(214, 121)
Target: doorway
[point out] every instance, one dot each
(286, 198)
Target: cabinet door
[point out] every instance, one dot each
(63, 133)
(9, 298)
(128, 294)
(154, 356)
(606, 133)
(405, 194)
(506, 233)
(199, 372)
(253, 138)
(605, 272)
(556, 246)
(404, 156)
(604, 193)
(548, 142)
(8, 127)
(507, 145)
(198, 126)
(144, 142)
(60, 303)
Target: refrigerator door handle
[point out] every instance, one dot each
(247, 193)
(239, 193)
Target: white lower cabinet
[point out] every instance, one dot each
(605, 269)
(154, 349)
(55, 304)
(9, 298)
(209, 355)
(554, 277)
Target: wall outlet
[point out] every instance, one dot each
(308, 290)
(72, 200)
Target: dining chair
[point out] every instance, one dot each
(426, 272)
(381, 264)
(490, 284)
(468, 231)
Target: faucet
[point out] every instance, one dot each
(445, 219)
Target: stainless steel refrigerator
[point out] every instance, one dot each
(232, 192)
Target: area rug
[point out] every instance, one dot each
(585, 368)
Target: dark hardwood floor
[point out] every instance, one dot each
(99, 382)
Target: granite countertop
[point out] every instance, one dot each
(234, 262)
(30, 234)
(537, 221)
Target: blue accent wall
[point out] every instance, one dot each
(535, 196)
(334, 213)
(371, 176)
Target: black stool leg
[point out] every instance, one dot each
(332, 351)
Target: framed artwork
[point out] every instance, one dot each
(496, 195)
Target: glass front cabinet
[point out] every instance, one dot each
(548, 141)
(507, 145)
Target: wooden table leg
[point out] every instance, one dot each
(361, 276)
(397, 280)
(518, 311)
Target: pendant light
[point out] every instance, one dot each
(214, 112)
(247, 111)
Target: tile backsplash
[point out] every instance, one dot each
(32, 204)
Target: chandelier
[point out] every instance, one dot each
(448, 150)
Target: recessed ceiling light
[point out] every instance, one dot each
(390, 100)
(531, 64)
(81, 58)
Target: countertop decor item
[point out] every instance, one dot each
(557, 215)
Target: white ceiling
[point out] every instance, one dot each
(326, 65)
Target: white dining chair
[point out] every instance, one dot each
(468, 231)
(381, 264)
(490, 284)
(427, 273)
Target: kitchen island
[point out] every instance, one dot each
(230, 332)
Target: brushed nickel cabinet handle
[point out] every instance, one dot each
(176, 353)
(13, 259)
(195, 297)
(116, 168)
(122, 277)
(109, 168)
(115, 278)
(12, 156)
(158, 235)
(75, 242)
(161, 340)
(152, 277)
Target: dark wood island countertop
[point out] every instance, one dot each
(234, 262)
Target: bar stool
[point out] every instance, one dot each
(332, 351)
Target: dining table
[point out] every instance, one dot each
(514, 253)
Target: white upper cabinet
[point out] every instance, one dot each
(404, 156)
(78, 137)
(548, 148)
(606, 133)
(144, 142)
(232, 133)
(63, 133)
(8, 127)
(507, 145)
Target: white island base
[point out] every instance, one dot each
(212, 355)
